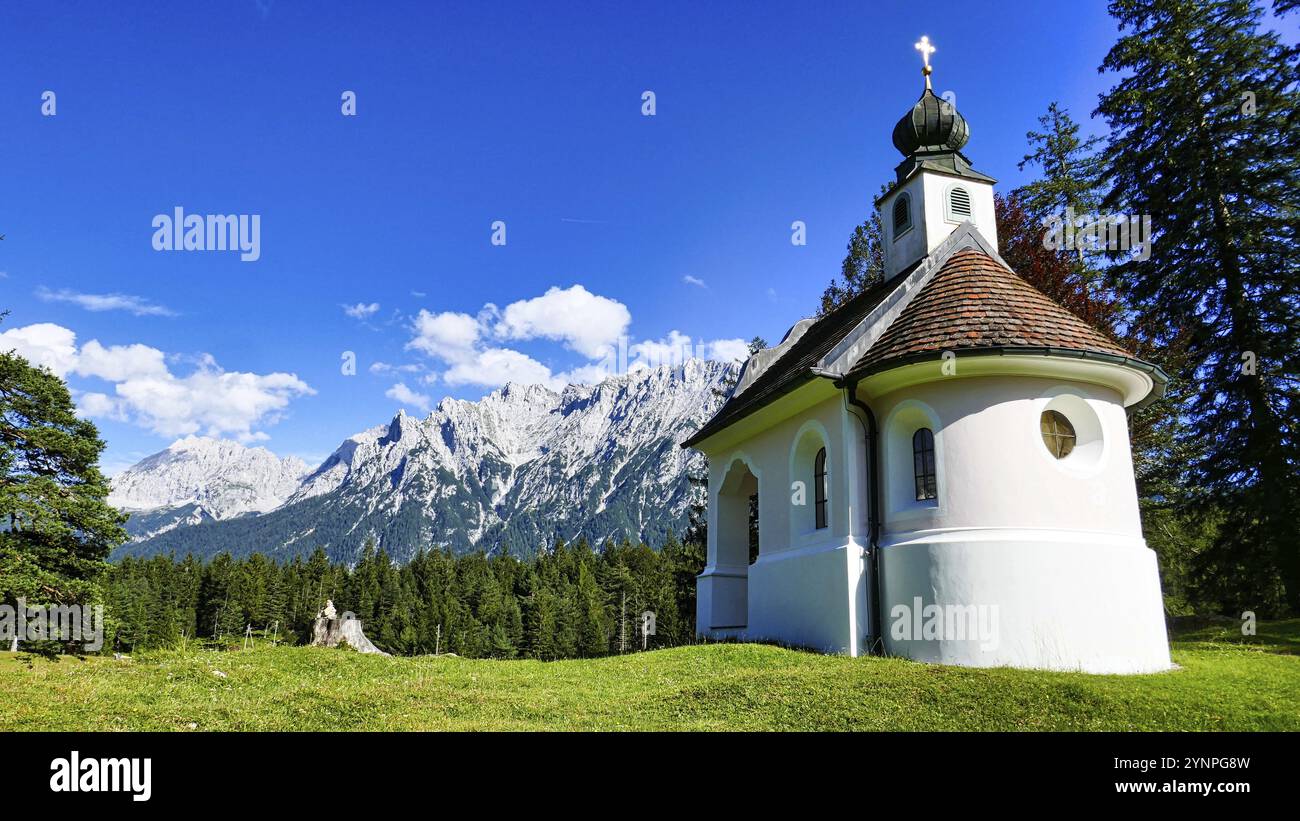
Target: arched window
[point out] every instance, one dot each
(819, 487)
(902, 214)
(923, 464)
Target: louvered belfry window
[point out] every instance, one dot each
(959, 202)
(923, 465)
(902, 214)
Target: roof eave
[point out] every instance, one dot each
(1159, 379)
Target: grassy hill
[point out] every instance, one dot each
(1226, 682)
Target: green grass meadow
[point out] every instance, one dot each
(1225, 681)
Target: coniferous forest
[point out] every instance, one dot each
(571, 601)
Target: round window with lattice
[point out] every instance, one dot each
(1058, 433)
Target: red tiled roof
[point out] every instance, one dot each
(973, 301)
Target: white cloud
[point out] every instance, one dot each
(106, 302)
(495, 367)
(101, 406)
(381, 368)
(449, 336)
(591, 325)
(211, 401)
(44, 344)
(120, 363)
(678, 347)
(361, 310)
(650, 353)
(145, 391)
(583, 321)
(696, 281)
(728, 350)
(406, 396)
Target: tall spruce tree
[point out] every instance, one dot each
(57, 527)
(592, 637)
(1070, 188)
(1068, 162)
(1205, 140)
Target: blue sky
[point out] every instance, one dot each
(766, 113)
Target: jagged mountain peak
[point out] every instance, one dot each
(201, 478)
(522, 391)
(402, 426)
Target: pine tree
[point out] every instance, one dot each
(593, 639)
(683, 562)
(274, 611)
(56, 529)
(1205, 140)
(255, 582)
(231, 619)
(1069, 186)
(363, 592)
(540, 625)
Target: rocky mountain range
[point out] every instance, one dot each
(510, 472)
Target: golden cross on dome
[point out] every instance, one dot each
(926, 50)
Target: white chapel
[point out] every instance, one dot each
(941, 465)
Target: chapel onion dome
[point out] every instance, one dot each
(930, 136)
(933, 125)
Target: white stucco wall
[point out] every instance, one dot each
(1052, 601)
(1053, 546)
(994, 470)
(807, 587)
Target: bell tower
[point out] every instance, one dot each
(936, 189)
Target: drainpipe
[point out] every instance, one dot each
(868, 420)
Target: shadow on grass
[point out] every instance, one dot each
(1278, 637)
